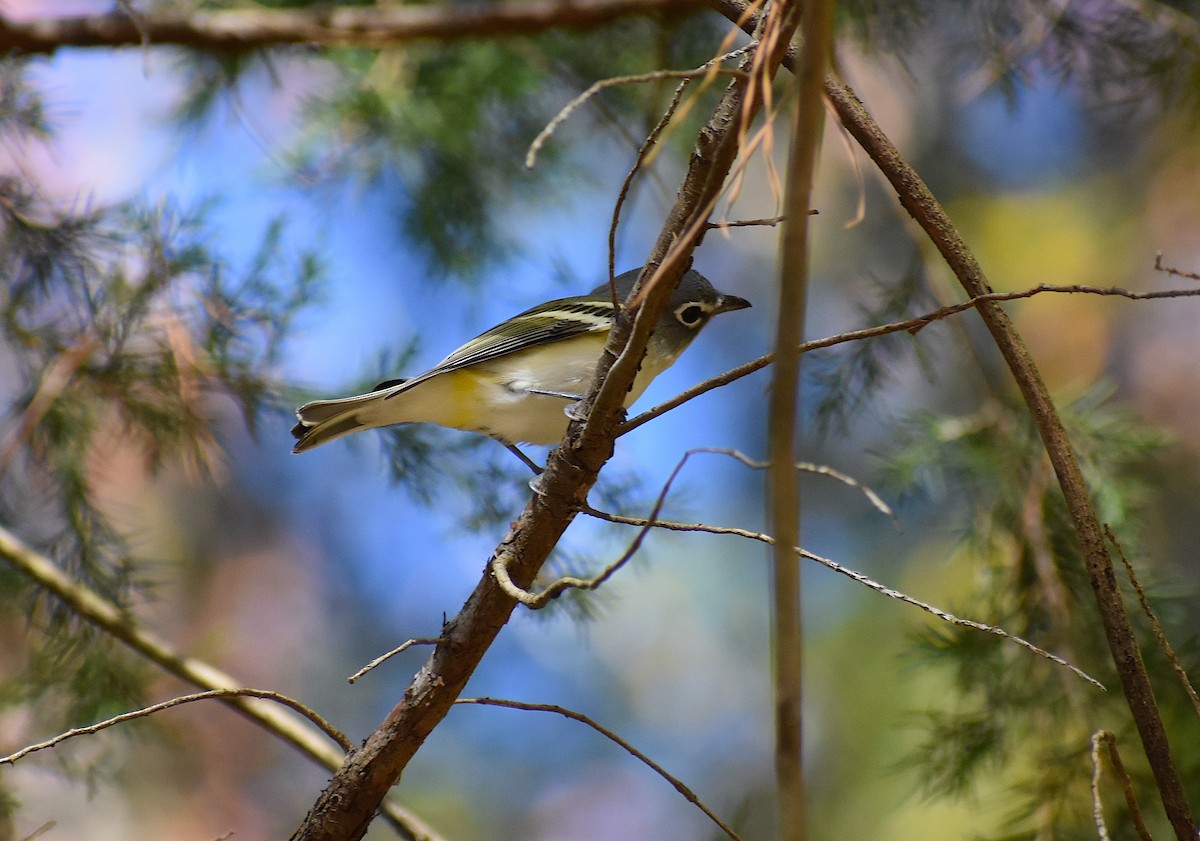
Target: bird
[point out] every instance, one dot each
(514, 381)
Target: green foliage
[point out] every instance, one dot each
(1015, 717)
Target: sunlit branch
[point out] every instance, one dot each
(1109, 741)
(383, 658)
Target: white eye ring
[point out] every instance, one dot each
(691, 314)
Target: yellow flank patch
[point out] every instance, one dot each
(464, 392)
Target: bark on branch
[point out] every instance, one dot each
(345, 808)
(925, 209)
(240, 30)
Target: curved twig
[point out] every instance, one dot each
(677, 784)
(324, 726)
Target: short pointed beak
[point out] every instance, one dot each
(729, 303)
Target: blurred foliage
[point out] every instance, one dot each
(122, 331)
(445, 126)
(1123, 54)
(1015, 717)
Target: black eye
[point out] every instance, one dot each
(690, 314)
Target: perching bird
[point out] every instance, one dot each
(514, 381)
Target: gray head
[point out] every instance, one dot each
(692, 304)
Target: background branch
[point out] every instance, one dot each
(240, 30)
(91, 607)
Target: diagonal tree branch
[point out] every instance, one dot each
(925, 209)
(94, 609)
(917, 199)
(346, 806)
(240, 30)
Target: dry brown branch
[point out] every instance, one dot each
(925, 209)
(1160, 635)
(677, 784)
(323, 725)
(240, 30)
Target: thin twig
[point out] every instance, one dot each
(747, 223)
(1109, 741)
(866, 581)
(324, 726)
(575, 104)
(909, 325)
(1159, 267)
(806, 467)
(627, 183)
(536, 601)
(96, 610)
(1159, 634)
(383, 658)
(677, 784)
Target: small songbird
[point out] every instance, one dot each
(513, 382)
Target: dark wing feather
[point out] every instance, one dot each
(552, 321)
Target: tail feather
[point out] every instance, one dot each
(309, 436)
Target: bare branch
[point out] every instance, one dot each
(383, 658)
(535, 601)
(909, 325)
(1171, 270)
(677, 784)
(345, 808)
(750, 223)
(324, 726)
(240, 30)
(94, 609)
(1160, 636)
(854, 575)
(707, 69)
